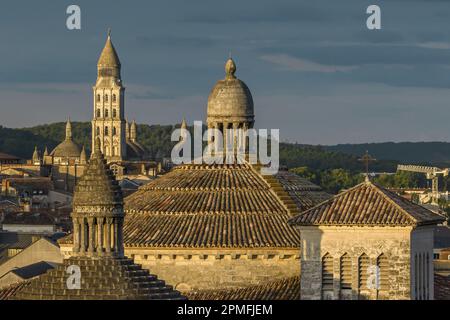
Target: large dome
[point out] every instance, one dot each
(230, 99)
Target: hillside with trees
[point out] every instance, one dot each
(333, 167)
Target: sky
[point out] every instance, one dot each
(314, 69)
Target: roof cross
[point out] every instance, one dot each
(367, 158)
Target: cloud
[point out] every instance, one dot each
(287, 62)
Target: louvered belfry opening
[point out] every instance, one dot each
(363, 271)
(327, 276)
(346, 272)
(383, 267)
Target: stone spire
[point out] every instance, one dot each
(109, 64)
(183, 124)
(45, 151)
(68, 130)
(127, 130)
(97, 210)
(36, 158)
(83, 156)
(133, 131)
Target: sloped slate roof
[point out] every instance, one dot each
(367, 204)
(284, 289)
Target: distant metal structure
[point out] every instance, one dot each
(432, 173)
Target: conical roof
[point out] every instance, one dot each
(109, 57)
(97, 187)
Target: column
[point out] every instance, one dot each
(83, 235)
(235, 138)
(108, 235)
(116, 235)
(113, 236)
(100, 235)
(216, 140)
(76, 235)
(91, 235)
(225, 140)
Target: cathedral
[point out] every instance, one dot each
(227, 231)
(212, 227)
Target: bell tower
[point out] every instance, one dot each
(108, 124)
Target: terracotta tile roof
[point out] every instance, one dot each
(209, 230)
(367, 204)
(285, 289)
(441, 287)
(208, 206)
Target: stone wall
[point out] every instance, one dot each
(214, 269)
(392, 242)
(196, 269)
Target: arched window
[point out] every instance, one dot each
(98, 131)
(114, 113)
(106, 98)
(106, 131)
(383, 265)
(327, 274)
(98, 98)
(114, 131)
(363, 271)
(346, 272)
(106, 113)
(114, 98)
(98, 113)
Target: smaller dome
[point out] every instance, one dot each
(230, 99)
(67, 149)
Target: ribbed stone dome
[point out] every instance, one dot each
(230, 99)
(97, 187)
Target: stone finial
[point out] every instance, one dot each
(133, 131)
(45, 151)
(36, 156)
(68, 130)
(230, 69)
(83, 157)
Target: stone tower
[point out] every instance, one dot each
(97, 211)
(108, 122)
(104, 273)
